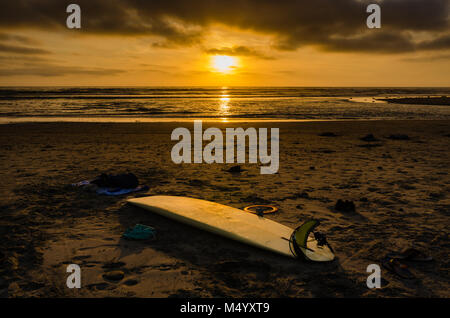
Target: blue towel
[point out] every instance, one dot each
(119, 191)
(139, 232)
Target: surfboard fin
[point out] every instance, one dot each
(299, 237)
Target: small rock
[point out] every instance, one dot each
(369, 138)
(235, 169)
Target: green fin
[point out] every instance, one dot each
(302, 232)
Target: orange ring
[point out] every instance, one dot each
(274, 209)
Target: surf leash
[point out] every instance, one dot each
(261, 209)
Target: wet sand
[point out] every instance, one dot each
(399, 185)
(442, 101)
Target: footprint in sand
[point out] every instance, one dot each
(99, 286)
(113, 265)
(131, 282)
(114, 276)
(81, 257)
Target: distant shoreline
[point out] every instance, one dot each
(131, 120)
(436, 101)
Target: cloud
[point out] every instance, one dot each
(21, 49)
(49, 70)
(238, 51)
(329, 24)
(428, 58)
(21, 59)
(442, 42)
(17, 38)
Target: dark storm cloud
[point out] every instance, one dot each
(442, 42)
(333, 25)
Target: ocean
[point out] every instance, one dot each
(24, 104)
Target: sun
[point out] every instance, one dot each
(223, 63)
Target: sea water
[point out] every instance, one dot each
(163, 103)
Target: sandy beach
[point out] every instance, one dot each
(399, 185)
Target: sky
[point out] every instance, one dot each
(225, 43)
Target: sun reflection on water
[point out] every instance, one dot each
(224, 103)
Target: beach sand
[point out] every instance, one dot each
(400, 189)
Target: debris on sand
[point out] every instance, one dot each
(369, 138)
(345, 206)
(235, 169)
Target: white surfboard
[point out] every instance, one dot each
(232, 223)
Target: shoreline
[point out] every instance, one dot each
(141, 120)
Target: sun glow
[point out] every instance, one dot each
(223, 63)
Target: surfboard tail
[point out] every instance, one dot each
(314, 248)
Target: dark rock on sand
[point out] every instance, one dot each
(235, 169)
(369, 138)
(345, 206)
(114, 275)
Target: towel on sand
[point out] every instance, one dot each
(120, 191)
(110, 184)
(139, 232)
